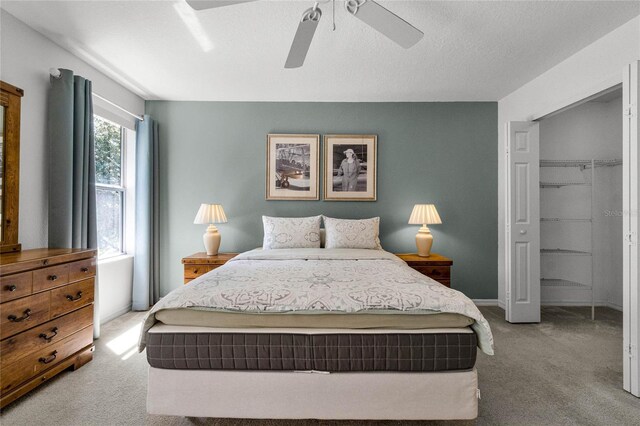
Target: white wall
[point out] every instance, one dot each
(591, 130)
(592, 69)
(26, 57)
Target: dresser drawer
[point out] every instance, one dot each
(82, 269)
(194, 271)
(15, 286)
(435, 272)
(51, 277)
(71, 297)
(24, 313)
(41, 360)
(47, 334)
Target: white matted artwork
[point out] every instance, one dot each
(350, 172)
(293, 163)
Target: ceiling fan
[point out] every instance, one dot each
(368, 11)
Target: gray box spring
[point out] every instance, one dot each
(322, 352)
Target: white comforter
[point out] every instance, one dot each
(320, 281)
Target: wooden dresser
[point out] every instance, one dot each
(435, 266)
(46, 309)
(199, 264)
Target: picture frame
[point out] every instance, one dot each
(293, 167)
(350, 167)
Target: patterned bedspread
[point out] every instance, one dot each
(322, 281)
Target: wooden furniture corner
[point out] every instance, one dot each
(200, 263)
(435, 266)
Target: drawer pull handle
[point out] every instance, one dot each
(53, 277)
(195, 270)
(50, 358)
(14, 318)
(12, 288)
(435, 272)
(73, 299)
(48, 338)
(84, 269)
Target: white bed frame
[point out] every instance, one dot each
(311, 395)
(293, 395)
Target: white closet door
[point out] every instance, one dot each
(631, 224)
(523, 222)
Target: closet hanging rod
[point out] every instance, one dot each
(580, 163)
(55, 73)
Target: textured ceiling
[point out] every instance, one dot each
(471, 50)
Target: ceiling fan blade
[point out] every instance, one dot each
(210, 4)
(304, 36)
(385, 21)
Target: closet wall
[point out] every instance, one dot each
(590, 131)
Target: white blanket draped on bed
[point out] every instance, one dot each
(320, 281)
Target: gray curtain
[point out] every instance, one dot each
(146, 282)
(72, 169)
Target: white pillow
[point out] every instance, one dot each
(291, 232)
(348, 233)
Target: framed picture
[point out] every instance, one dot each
(350, 167)
(293, 163)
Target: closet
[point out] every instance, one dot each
(581, 205)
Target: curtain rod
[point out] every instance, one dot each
(55, 73)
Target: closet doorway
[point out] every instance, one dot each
(581, 204)
(587, 218)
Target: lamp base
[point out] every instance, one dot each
(211, 240)
(424, 241)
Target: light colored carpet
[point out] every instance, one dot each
(566, 370)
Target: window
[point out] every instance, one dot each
(110, 141)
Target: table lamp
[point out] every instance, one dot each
(210, 214)
(424, 214)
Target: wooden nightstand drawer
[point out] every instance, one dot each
(194, 271)
(435, 272)
(199, 264)
(436, 266)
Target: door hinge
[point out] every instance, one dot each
(630, 350)
(629, 111)
(630, 238)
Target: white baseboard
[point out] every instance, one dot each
(486, 302)
(614, 306)
(115, 315)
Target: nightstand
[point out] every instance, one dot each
(435, 266)
(199, 264)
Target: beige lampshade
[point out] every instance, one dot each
(424, 214)
(210, 213)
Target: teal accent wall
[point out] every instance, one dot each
(440, 153)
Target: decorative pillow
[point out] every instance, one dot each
(347, 233)
(291, 232)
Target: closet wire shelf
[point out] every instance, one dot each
(558, 282)
(565, 252)
(563, 219)
(563, 173)
(559, 173)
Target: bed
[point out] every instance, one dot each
(314, 333)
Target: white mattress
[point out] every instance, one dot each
(164, 328)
